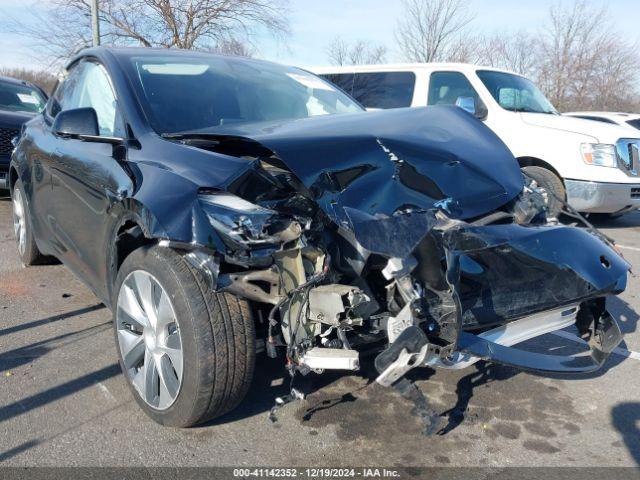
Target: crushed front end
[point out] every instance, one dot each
(382, 233)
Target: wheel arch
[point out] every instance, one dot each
(13, 177)
(538, 162)
(130, 232)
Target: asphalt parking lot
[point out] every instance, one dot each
(63, 401)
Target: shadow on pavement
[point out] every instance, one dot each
(626, 419)
(52, 394)
(628, 220)
(271, 380)
(19, 356)
(54, 318)
(485, 372)
(625, 315)
(18, 450)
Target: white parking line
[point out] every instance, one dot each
(626, 247)
(618, 351)
(106, 391)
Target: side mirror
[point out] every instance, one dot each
(469, 104)
(76, 123)
(81, 124)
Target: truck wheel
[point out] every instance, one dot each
(27, 248)
(552, 184)
(187, 352)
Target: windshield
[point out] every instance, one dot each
(515, 93)
(20, 98)
(634, 123)
(191, 93)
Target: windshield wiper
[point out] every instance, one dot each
(188, 135)
(233, 145)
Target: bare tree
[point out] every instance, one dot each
(584, 62)
(233, 46)
(63, 26)
(518, 52)
(431, 30)
(360, 52)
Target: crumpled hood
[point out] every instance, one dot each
(599, 131)
(384, 162)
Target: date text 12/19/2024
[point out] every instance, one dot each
(315, 473)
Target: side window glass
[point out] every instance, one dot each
(87, 85)
(94, 90)
(61, 98)
(446, 87)
(384, 89)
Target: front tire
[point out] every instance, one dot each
(22, 227)
(552, 184)
(188, 353)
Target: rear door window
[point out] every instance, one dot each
(384, 89)
(377, 89)
(344, 81)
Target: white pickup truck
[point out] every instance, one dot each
(593, 165)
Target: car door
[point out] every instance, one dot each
(41, 158)
(88, 178)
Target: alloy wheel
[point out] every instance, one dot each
(149, 338)
(19, 221)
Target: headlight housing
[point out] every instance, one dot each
(600, 154)
(245, 223)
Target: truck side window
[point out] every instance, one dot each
(344, 81)
(384, 89)
(446, 87)
(377, 89)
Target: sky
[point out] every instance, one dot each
(315, 23)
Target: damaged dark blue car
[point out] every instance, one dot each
(223, 207)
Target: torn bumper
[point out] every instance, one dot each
(412, 349)
(606, 337)
(508, 272)
(511, 283)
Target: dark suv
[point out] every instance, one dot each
(223, 207)
(19, 102)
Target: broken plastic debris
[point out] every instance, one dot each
(282, 401)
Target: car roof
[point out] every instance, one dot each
(15, 81)
(467, 67)
(126, 53)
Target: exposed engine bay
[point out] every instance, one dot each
(431, 249)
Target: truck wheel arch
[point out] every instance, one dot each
(537, 162)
